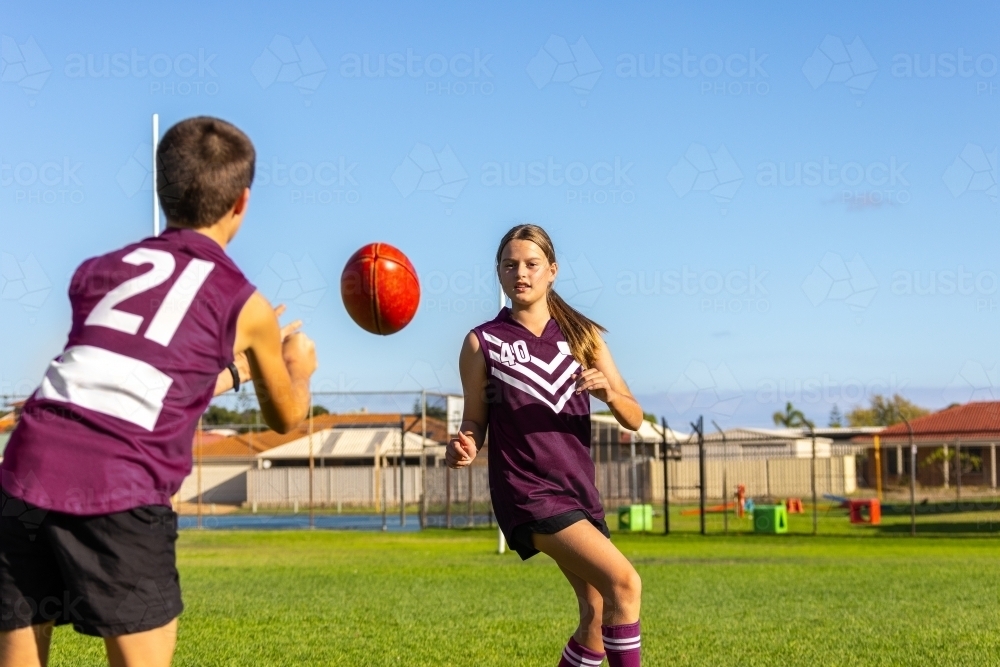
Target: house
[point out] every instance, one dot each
(356, 439)
(968, 433)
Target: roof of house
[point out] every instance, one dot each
(7, 422)
(969, 422)
(251, 444)
(347, 443)
(647, 431)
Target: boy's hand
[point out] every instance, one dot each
(299, 354)
(241, 360)
(461, 451)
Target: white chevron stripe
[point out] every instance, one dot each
(528, 389)
(552, 365)
(492, 339)
(551, 387)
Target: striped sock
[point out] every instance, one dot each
(622, 644)
(575, 655)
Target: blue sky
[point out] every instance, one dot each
(760, 205)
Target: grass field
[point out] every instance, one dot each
(853, 596)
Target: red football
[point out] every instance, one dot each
(380, 289)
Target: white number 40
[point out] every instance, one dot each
(519, 349)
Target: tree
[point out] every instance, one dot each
(435, 411)
(968, 462)
(836, 419)
(319, 410)
(792, 417)
(884, 411)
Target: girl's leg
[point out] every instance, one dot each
(583, 551)
(588, 633)
(27, 647)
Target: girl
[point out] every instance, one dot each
(527, 376)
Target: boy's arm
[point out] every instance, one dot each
(280, 368)
(224, 382)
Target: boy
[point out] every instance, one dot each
(87, 532)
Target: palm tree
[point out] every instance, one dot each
(792, 417)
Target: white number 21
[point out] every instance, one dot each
(171, 312)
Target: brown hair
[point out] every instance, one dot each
(203, 165)
(582, 333)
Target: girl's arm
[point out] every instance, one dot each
(605, 383)
(466, 444)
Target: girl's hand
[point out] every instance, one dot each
(461, 451)
(596, 383)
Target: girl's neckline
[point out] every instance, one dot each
(546, 331)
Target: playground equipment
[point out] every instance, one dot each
(770, 519)
(714, 509)
(862, 510)
(840, 500)
(868, 511)
(794, 506)
(741, 500)
(635, 518)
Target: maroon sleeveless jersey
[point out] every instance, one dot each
(539, 427)
(111, 425)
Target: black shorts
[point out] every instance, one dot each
(107, 575)
(522, 543)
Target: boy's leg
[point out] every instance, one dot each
(152, 648)
(26, 647)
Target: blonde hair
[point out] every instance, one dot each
(582, 333)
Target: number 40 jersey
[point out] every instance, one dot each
(110, 427)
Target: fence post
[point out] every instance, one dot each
(402, 472)
(447, 497)
(666, 480)
(472, 515)
(633, 481)
(423, 458)
(812, 474)
(725, 492)
(199, 472)
(312, 468)
(385, 499)
(699, 428)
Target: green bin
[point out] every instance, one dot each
(770, 519)
(635, 518)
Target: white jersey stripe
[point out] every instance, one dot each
(107, 382)
(528, 389)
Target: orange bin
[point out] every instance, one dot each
(868, 510)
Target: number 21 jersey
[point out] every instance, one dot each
(110, 427)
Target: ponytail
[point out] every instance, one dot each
(582, 334)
